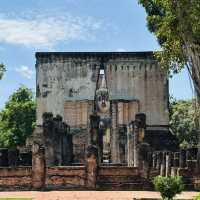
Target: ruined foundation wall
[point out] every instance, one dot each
(65, 177)
(12, 178)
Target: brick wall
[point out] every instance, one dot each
(15, 178)
(65, 177)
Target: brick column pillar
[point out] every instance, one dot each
(91, 166)
(38, 167)
(163, 164)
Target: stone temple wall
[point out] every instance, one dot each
(71, 77)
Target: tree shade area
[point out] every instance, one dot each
(17, 119)
(182, 121)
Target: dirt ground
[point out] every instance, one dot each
(90, 195)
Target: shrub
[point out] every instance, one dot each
(168, 186)
(197, 197)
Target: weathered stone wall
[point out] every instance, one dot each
(72, 77)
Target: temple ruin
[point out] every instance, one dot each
(102, 123)
(115, 86)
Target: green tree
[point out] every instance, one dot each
(176, 24)
(182, 121)
(2, 70)
(17, 119)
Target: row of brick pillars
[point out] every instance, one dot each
(39, 167)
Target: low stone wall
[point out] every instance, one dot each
(118, 171)
(20, 178)
(121, 178)
(15, 178)
(65, 177)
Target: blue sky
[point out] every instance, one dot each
(71, 25)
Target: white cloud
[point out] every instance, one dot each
(121, 50)
(45, 30)
(25, 71)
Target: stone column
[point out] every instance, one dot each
(163, 164)
(94, 134)
(38, 167)
(182, 158)
(176, 159)
(135, 146)
(168, 164)
(91, 166)
(115, 155)
(130, 145)
(159, 160)
(154, 160)
(139, 131)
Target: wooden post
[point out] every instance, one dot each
(38, 167)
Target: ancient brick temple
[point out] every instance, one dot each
(114, 85)
(102, 123)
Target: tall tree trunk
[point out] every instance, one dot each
(193, 55)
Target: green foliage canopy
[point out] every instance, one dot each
(2, 70)
(17, 119)
(182, 121)
(176, 25)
